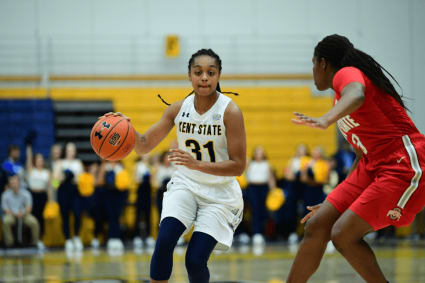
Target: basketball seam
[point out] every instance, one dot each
(93, 134)
(110, 131)
(128, 130)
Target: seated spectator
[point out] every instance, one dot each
(17, 205)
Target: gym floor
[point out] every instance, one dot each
(403, 261)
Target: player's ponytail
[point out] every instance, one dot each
(340, 52)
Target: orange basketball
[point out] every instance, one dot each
(112, 138)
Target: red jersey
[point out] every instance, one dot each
(379, 124)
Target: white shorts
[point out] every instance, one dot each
(215, 219)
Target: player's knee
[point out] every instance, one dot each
(164, 245)
(339, 237)
(162, 260)
(314, 229)
(8, 220)
(194, 264)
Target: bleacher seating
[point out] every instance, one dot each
(21, 116)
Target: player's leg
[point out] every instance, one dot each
(8, 221)
(198, 252)
(31, 222)
(178, 213)
(317, 233)
(162, 259)
(347, 236)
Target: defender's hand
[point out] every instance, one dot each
(313, 209)
(302, 119)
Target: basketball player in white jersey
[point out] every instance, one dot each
(203, 191)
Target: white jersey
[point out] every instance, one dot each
(204, 136)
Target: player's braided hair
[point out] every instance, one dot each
(340, 52)
(212, 54)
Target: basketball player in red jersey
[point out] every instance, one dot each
(385, 185)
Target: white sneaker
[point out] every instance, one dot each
(137, 242)
(330, 248)
(40, 246)
(69, 245)
(258, 239)
(119, 245)
(95, 243)
(115, 245)
(293, 239)
(371, 236)
(150, 242)
(110, 245)
(244, 238)
(180, 241)
(78, 245)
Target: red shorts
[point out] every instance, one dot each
(386, 191)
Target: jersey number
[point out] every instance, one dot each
(196, 148)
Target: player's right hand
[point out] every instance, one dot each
(302, 119)
(114, 114)
(313, 209)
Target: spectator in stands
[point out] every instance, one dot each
(38, 179)
(67, 171)
(162, 176)
(17, 205)
(314, 176)
(70, 162)
(54, 161)
(12, 166)
(143, 203)
(65, 196)
(84, 197)
(344, 159)
(111, 196)
(163, 173)
(3, 179)
(294, 191)
(260, 179)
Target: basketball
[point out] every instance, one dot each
(112, 138)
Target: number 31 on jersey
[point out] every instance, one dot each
(197, 150)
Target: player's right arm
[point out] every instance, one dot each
(158, 131)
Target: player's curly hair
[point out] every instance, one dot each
(340, 52)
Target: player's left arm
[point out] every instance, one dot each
(236, 147)
(352, 98)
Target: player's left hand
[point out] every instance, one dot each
(113, 114)
(181, 157)
(302, 119)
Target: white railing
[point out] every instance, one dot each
(129, 55)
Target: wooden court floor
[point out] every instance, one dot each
(403, 261)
